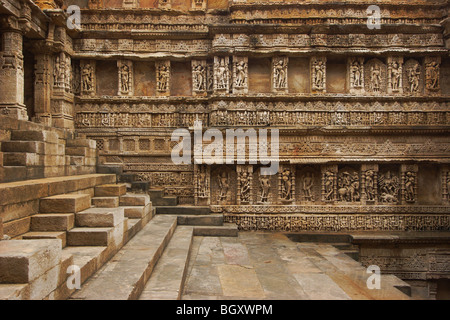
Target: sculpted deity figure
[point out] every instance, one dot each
(348, 187)
(280, 74)
(319, 74)
(357, 74)
(308, 183)
(223, 186)
(199, 75)
(203, 184)
(329, 185)
(87, 77)
(433, 75)
(389, 186)
(414, 78)
(409, 187)
(370, 185)
(375, 78)
(396, 76)
(125, 78)
(286, 185)
(163, 77)
(264, 181)
(245, 187)
(241, 77)
(222, 74)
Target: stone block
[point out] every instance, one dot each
(134, 200)
(109, 190)
(105, 202)
(22, 159)
(76, 151)
(35, 235)
(17, 227)
(137, 211)
(65, 203)
(89, 237)
(87, 143)
(14, 173)
(31, 135)
(99, 217)
(52, 222)
(24, 261)
(23, 146)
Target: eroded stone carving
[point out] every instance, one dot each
(125, 77)
(413, 77)
(432, 73)
(279, 74)
(240, 75)
(318, 74)
(389, 186)
(356, 75)
(307, 186)
(87, 77)
(264, 189)
(163, 77)
(244, 180)
(287, 185)
(199, 77)
(395, 75)
(222, 74)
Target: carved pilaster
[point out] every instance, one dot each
(222, 75)
(88, 77)
(409, 183)
(62, 96)
(43, 81)
(280, 74)
(240, 75)
(355, 72)
(11, 70)
(199, 77)
(163, 74)
(318, 74)
(395, 75)
(125, 78)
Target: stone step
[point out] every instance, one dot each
(65, 203)
(52, 222)
(201, 220)
(134, 199)
(31, 135)
(14, 173)
(182, 210)
(83, 236)
(319, 237)
(125, 275)
(88, 258)
(227, 230)
(105, 202)
(22, 159)
(35, 235)
(110, 190)
(137, 211)
(167, 279)
(99, 217)
(158, 199)
(23, 146)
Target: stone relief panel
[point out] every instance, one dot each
(88, 78)
(389, 185)
(432, 74)
(202, 176)
(240, 75)
(199, 77)
(348, 185)
(244, 184)
(413, 76)
(395, 75)
(222, 75)
(329, 182)
(286, 184)
(223, 185)
(308, 186)
(355, 71)
(409, 183)
(163, 74)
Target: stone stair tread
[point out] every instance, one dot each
(201, 220)
(88, 259)
(183, 210)
(167, 279)
(89, 236)
(52, 222)
(35, 235)
(125, 275)
(99, 217)
(105, 202)
(226, 230)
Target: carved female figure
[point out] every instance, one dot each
(307, 186)
(280, 74)
(396, 76)
(223, 186)
(375, 78)
(265, 187)
(86, 75)
(414, 78)
(409, 186)
(286, 184)
(370, 185)
(240, 74)
(125, 78)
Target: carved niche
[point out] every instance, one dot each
(355, 71)
(199, 77)
(395, 75)
(240, 75)
(222, 74)
(318, 74)
(375, 77)
(163, 77)
(280, 74)
(125, 86)
(412, 77)
(88, 79)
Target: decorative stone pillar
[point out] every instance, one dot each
(11, 70)
(409, 183)
(240, 75)
(222, 75)
(88, 78)
(125, 79)
(244, 184)
(395, 75)
(199, 78)
(329, 182)
(202, 178)
(62, 96)
(43, 88)
(369, 183)
(432, 75)
(445, 174)
(286, 183)
(318, 74)
(355, 72)
(163, 78)
(280, 74)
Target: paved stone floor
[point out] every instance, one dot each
(258, 265)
